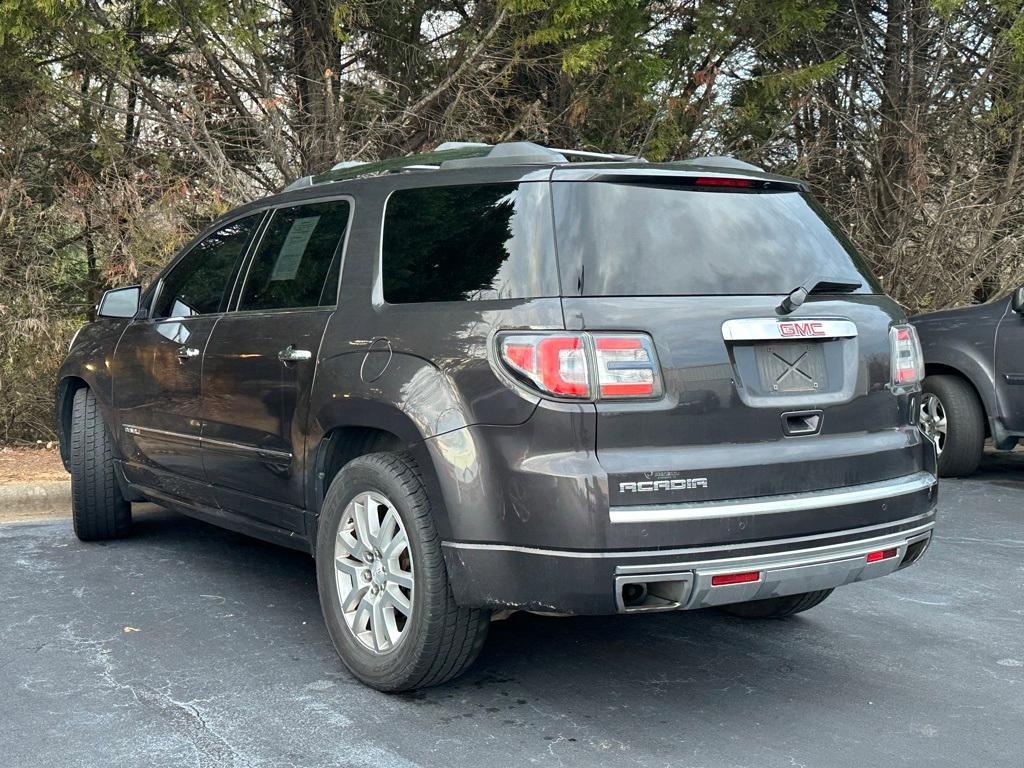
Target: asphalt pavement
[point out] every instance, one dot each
(186, 645)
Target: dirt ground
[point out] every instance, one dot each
(26, 465)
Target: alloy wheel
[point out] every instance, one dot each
(373, 569)
(932, 419)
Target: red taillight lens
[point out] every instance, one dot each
(882, 554)
(561, 364)
(907, 360)
(722, 181)
(556, 364)
(724, 579)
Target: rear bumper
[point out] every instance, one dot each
(500, 576)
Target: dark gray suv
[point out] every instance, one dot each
(489, 379)
(974, 362)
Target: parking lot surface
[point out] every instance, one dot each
(186, 645)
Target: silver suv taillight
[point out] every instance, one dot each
(583, 366)
(907, 360)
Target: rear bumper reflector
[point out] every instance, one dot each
(881, 554)
(725, 579)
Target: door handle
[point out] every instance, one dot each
(187, 353)
(292, 355)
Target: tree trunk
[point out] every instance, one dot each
(316, 61)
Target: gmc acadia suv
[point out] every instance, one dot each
(487, 379)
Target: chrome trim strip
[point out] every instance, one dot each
(802, 328)
(788, 573)
(635, 553)
(789, 558)
(133, 429)
(267, 453)
(767, 505)
(264, 452)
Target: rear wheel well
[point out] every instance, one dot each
(343, 444)
(938, 369)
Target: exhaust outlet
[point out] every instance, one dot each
(652, 592)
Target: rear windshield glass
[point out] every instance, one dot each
(468, 243)
(628, 239)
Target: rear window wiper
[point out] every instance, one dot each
(799, 294)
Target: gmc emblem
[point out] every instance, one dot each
(791, 330)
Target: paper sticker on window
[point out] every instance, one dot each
(290, 257)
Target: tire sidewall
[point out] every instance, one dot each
(965, 427)
(378, 670)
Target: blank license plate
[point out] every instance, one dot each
(792, 366)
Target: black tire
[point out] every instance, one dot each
(777, 607)
(98, 508)
(965, 424)
(440, 639)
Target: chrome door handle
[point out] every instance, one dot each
(292, 355)
(187, 353)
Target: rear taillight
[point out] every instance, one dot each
(907, 360)
(625, 366)
(555, 364)
(583, 366)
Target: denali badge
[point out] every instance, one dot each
(652, 486)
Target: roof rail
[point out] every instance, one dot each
(600, 155)
(459, 154)
(510, 153)
(720, 161)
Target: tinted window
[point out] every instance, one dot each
(295, 264)
(200, 283)
(462, 243)
(636, 239)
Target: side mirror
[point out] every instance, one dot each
(120, 302)
(1017, 302)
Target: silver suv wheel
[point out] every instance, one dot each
(373, 568)
(932, 420)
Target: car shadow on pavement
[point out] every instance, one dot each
(527, 657)
(1005, 468)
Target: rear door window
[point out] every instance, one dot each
(647, 239)
(296, 264)
(468, 242)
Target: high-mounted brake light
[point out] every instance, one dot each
(722, 181)
(562, 364)
(907, 360)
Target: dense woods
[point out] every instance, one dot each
(127, 125)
